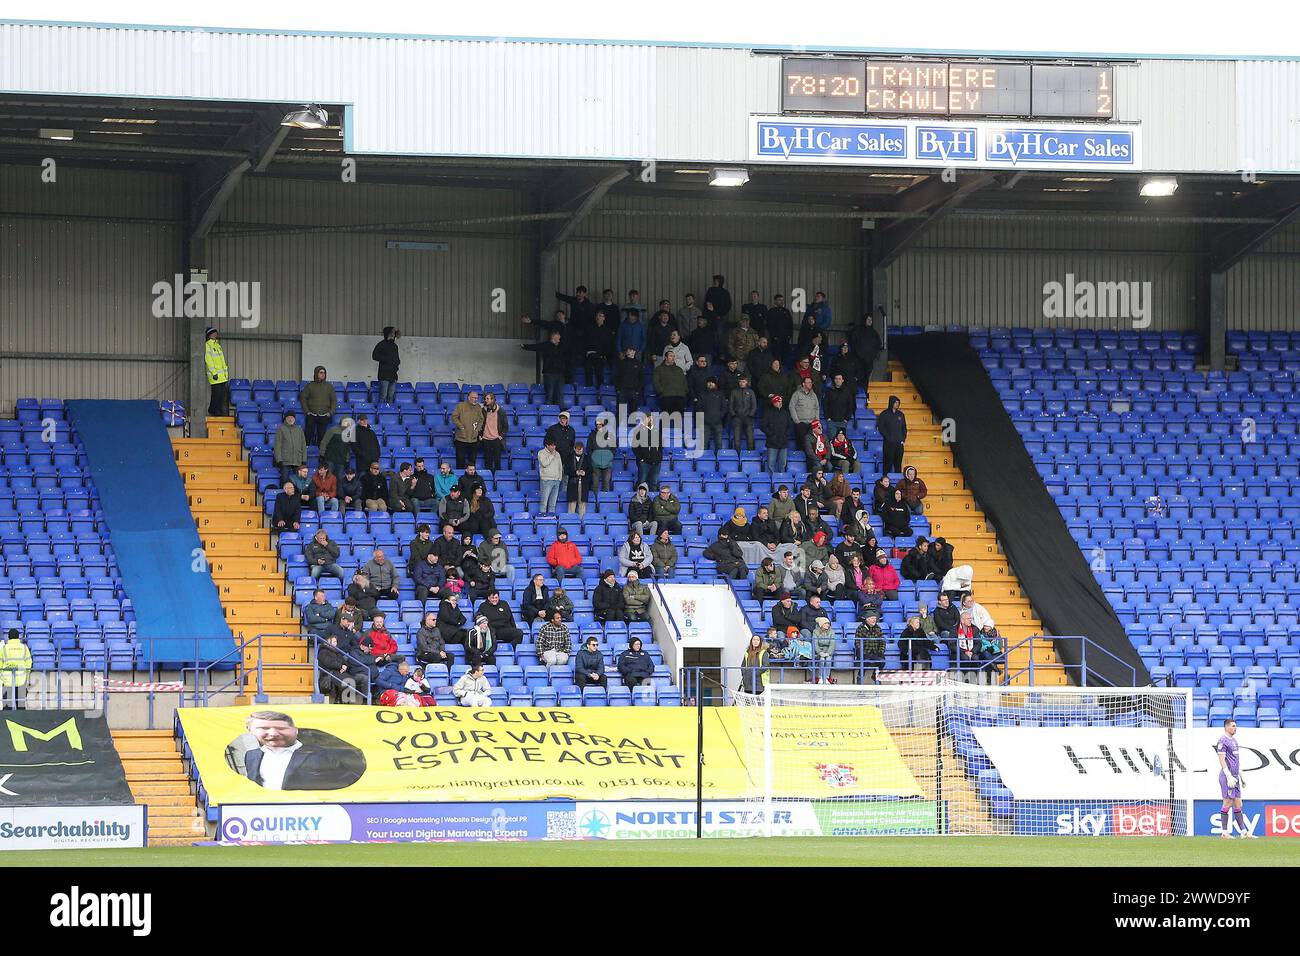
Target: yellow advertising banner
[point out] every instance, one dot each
(341, 754)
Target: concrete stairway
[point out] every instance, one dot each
(242, 558)
(157, 777)
(954, 516)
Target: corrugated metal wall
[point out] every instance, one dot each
(984, 272)
(666, 248)
(1187, 109)
(1263, 290)
(78, 261)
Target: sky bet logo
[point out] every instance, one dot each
(1131, 820)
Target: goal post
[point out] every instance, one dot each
(955, 758)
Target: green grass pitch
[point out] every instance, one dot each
(879, 851)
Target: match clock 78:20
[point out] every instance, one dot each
(824, 86)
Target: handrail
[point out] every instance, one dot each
(1084, 672)
(663, 602)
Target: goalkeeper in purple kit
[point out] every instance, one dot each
(1230, 782)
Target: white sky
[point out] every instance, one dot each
(1152, 27)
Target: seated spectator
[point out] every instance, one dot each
(393, 676)
(640, 512)
(941, 554)
(374, 488)
(318, 614)
(635, 666)
(815, 581)
(350, 491)
(798, 649)
(836, 582)
(339, 677)
(448, 548)
(967, 636)
(350, 613)
(589, 665)
(634, 555)
(444, 480)
(763, 530)
(325, 489)
(430, 645)
(816, 446)
(477, 577)
(737, 526)
(451, 619)
(989, 651)
(560, 601)
(480, 643)
(470, 481)
(400, 487)
(430, 579)
(895, 516)
(382, 575)
(636, 598)
(419, 548)
(473, 689)
(981, 618)
(811, 611)
(838, 491)
(607, 599)
(915, 645)
(946, 617)
(500, 618)
(916, 563)
(727, 556)
(957, 582)
(564, 557)
(482, 516)
(289, 448)
(422, 489)
(322, 556)
(554, 645)
(781, 505)
(786, 613)
(882, 493)
(663, 554)
(843, 456)
(363, 594)
(869, 642)
(815, 551)
(753, 667)
(417, 685)
(927, 619)
(767, 581)
(794, 530)
(815, 525)
(496, 556)
(535, 599)
(287, 514)
(379, 642)
(885, 577)
(791, 576)
(914, 490)
(665, 509)
(454, 509)
(823, 645)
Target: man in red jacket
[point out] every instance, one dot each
(563, 556)
(381, 642)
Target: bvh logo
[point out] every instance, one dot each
(1282, 820)
(1142, 820)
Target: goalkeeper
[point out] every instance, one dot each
(1230, 782)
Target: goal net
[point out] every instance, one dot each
(955, 758)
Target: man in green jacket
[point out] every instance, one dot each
(664, 510)
(636, 598)
(15, 668)
(319, 400)
(670, 385)
(289, 450)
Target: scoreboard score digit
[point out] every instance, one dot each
(1074, 91)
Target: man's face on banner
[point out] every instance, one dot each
(273, 733)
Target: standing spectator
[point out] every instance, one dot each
(759, 359)
(718, 297)
(867, 345)
(386, 355)
(665, 509)
(629, 380)
(480, 643)
(563, 556)
(742, 406)
(289, 450)
(287, 513)
(663, 554)
(689, 314)
(598, 345)
(550, 469)
(325, 489)
(467, 417)
(430, 578)
(713, 409)
(473, 689)
(744, 339)
(753, 667)
(728, 556)
(564, 437)
(613, 311)
(635, 666)
(848, 366)
(821, 310)
(657, 336)
(774, 382)
(756, 312)
(697, 379)
(640, 512)
(554, 366)
(841, 404)
(885, 577)
(600, 446)
(578, 476)
(374, 489)
(679, 350)
(631, 337)
(496, 428)
(607, 599)
(776, 427)
(633, 305)
(869, 642)
(581, 308)
(647, 446)
(214, 361)
(322, 556)
(670, 384)
(780, 327)
(914, 490)
(554, 645)
(500, 617)
(892, 426)
(336, 446)
(589, 665)
(633, 555)
(823, 642)
(319, 400)
(636, 598)
(382, 575)
(365, 445)
(805, 408)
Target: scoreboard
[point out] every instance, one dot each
(879, 87)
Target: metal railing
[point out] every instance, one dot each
(1082, 673)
